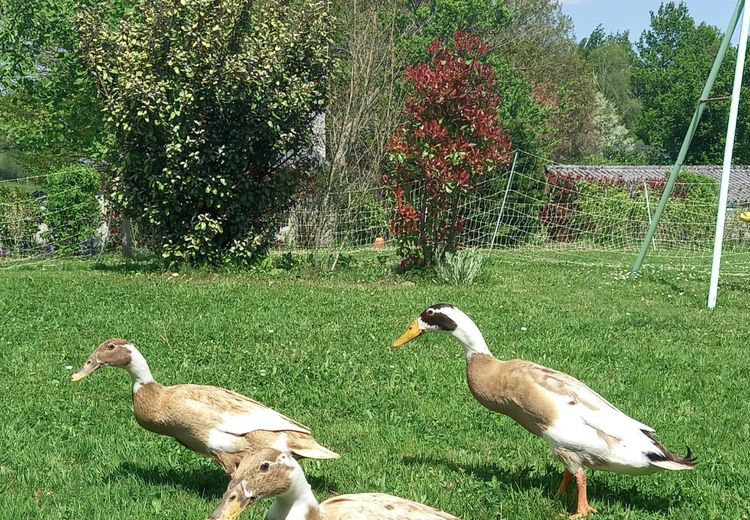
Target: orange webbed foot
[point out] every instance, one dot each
(583, 512)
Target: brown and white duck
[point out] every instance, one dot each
(272, 473)
(582, 428)
(212, 421)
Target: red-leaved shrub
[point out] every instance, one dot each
(450, 141)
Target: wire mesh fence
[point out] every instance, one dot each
(525, 208)
(533, 209)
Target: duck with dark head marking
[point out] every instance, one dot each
(582, 428)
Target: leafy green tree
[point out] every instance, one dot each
(51, 115)
(422, 22)
(210, 106)
(613, 59)
(539, 45)
(675, 58)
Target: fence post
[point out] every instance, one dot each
(648, 210)
(713, 288)
(505, 198)
(127, 238)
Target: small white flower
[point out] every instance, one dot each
(524, 328)
(68, 367)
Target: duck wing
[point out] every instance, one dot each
(226, 411)
(586, 428)
(571, 397)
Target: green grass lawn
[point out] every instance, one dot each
(317, 349)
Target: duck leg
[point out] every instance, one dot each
(583, 503)
(565, 484)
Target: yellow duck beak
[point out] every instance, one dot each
(411, 333)
(745, 216)
(227, 511)
(88, 367)
(233, 503)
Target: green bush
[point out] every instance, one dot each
(9, 169)
(72, 211)
(520, 211)
(364, 218)
(210, 104)
(20, 216)
(619, 211)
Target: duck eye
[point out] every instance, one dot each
(111, 346)
(430, 312)
(265, 466)
(233, 497)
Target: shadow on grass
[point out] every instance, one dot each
(209, 483)
(670, 284)
(137, 266)
(549, 478)
(736, 284)
(727, 283)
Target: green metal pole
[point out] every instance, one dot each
(688, 138)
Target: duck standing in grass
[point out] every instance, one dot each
(272, 473)
(212, 421)
(582, 428)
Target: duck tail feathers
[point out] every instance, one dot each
(665, 459)
(306, 447)
(317, 452)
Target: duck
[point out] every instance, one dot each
(212, 421)
(583, 429)
(274, 473)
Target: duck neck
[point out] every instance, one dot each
(470, 337)
(139, 371)
(297, 503)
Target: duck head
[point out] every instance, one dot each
(113, 352)
(444, 317)
(264, 474)
(120, 353)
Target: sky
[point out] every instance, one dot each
(633, 15)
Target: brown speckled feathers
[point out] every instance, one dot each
(531, 394)
(378, 506)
